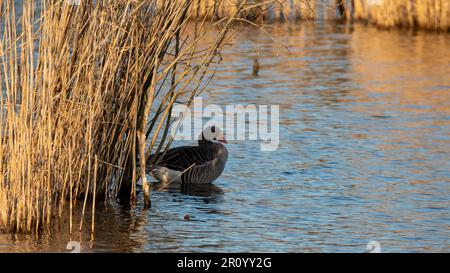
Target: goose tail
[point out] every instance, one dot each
(165, 175)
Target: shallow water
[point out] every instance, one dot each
(364, 153)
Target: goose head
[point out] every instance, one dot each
(211, 134)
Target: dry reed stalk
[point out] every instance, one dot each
(149, 96)
(93, 198)
(70, 195)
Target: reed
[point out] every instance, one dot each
(255, 10)
(83, 87)
(424, 14)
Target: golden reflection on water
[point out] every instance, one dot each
(407, 69)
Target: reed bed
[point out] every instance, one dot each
(262, 10)
(84, 98)
(424, 14)
(270, 11)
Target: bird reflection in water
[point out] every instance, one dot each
(211, 191)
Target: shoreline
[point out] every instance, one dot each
(384, 14)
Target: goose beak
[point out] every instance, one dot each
(224, 141)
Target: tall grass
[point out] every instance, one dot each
(255, 10)
(83, 98)
(425, 14)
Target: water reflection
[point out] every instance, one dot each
(207, 190)
(114, 226)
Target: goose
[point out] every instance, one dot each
(200, 164)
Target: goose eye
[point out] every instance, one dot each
(213, 129)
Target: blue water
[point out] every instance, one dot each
(364, 153)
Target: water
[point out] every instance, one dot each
(364, 153)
